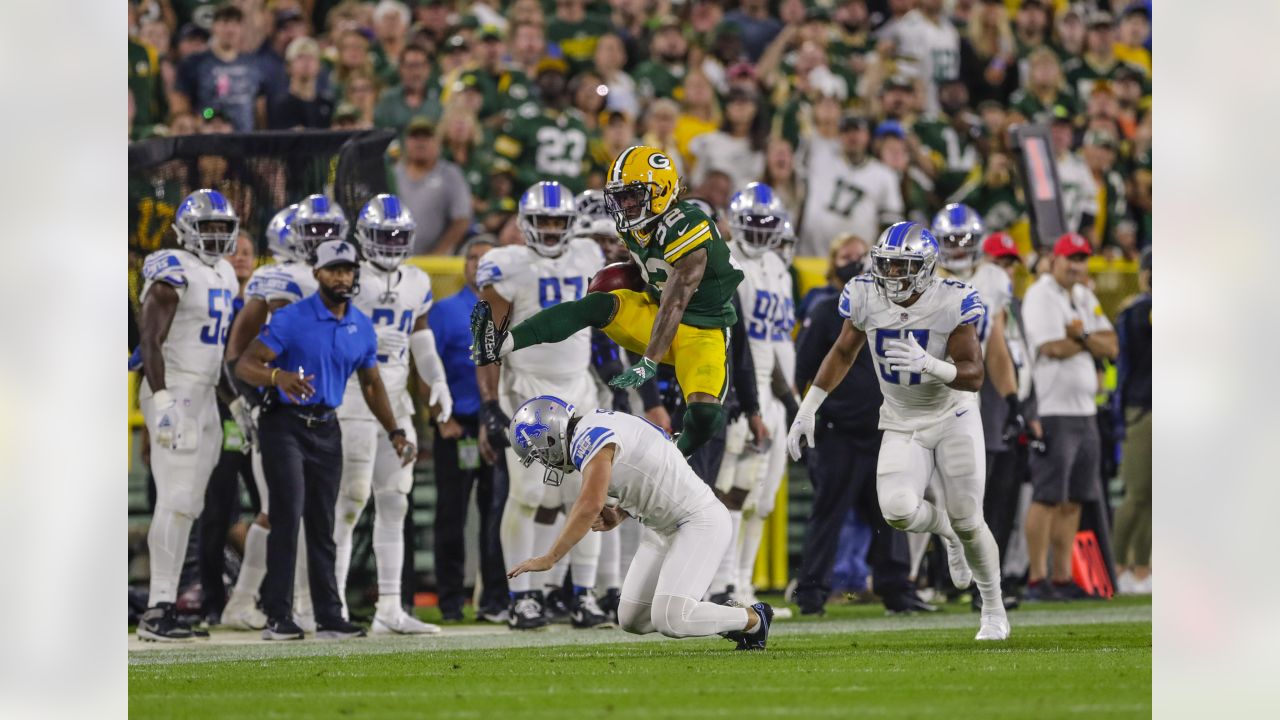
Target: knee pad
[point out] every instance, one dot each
(898, 507)
(635, 617)
(357, 486)
(391, 506)
(670, 615)
(348, 511)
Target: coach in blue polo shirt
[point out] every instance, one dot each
(306, 353)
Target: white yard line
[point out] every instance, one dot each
(247, 646)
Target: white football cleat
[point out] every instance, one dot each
(961, 575)
(995, 626)
(399, 622)
(243, 614)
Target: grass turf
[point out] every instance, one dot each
(1063, 660)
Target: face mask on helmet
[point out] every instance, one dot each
(216, 237)
(959, 251)
(629, 204)
(310, 234)
(546, 234)
(387, 247)
(896, 277)
(757, 234)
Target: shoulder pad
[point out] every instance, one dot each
(165, 266)
(588, 442)
(499, 264)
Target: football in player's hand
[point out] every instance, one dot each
(618, 276)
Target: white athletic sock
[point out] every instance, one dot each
(346, 515)
(728, 568)
(609, 573)
(752, 532)
(584, 560)
(253, 567)
(983, 556)
(388, 542)
(917, 543)
(544, 536)
(167, 545)
(516, 533)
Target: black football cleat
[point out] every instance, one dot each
(486, 336)
(160, 624)
(586, 612)
(526, 612)
(282, 629)
(759, 637)
(338, 630)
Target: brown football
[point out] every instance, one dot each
(618, 276)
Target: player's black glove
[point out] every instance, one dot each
(1014, 423)
(495, 424)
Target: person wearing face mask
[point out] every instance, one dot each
(843, 471)
(305, 354)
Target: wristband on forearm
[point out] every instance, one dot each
(812, 400)
(944, 371)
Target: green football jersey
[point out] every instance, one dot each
(543, 144)
(677, 232)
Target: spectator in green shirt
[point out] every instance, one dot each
(663, 73)
(576, 33)
(146, 86)
(413, 97)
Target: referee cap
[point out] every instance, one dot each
(335, 252)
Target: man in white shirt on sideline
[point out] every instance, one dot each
(1067, 334)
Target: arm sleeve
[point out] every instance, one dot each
(744, 368)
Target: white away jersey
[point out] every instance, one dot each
(393, 301)
(531, 282)
(288, 281)
(995, 289)
(193, 349)
(844, 198)
(935, 49)
(769, 310)
(912, 401)
(650, 478)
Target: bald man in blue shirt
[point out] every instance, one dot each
(306, 353)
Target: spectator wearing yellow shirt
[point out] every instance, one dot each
(700, 113)
(1133, 37)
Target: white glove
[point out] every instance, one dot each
(441, 396)
(802, 427)
(243, 415)
(168, 419)
(909, 357)
(391, 341)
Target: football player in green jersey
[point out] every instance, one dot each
(681, 316)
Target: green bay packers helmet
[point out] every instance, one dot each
(641, 184)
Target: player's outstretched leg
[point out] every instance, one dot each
(491, 341)
(702, 417)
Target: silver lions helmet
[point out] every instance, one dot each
(756, 215)
(280, 240)
(592, 218)
(959, 230)
(385, 231)
(904, 261)
(539, 432)
(544, 216)
(206, 225)
(316, 220)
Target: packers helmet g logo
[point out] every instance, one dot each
(642, 183)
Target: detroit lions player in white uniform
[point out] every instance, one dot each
(396, 297)
(749, 476)
(186, 305)
(959, 231)
(924, 341)
(631, 464)
(291, 236)
(518, 282)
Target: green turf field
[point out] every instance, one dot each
(1082, 659)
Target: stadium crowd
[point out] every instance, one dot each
(915, 97)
